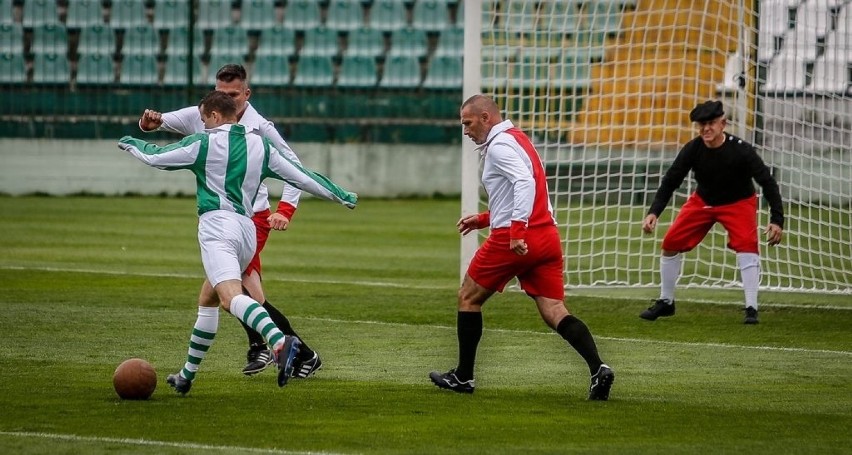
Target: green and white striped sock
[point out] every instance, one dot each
(255, 316)
(201, 339)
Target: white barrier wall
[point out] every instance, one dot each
(62, 167)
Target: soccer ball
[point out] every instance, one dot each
(134, 379)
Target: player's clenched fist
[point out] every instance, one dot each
(150, 120)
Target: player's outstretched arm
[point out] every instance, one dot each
(305, 179)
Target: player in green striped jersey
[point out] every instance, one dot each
(229, 164)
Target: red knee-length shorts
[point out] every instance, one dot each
(262, 227)
(696, 218)
(539, 271)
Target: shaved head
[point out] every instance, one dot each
(479, 114)
(481, 103)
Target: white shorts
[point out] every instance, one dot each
(227, 242)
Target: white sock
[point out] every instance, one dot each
(255, 316)
(206, 326)
(749, 264)
(669, 274)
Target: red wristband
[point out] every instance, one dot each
(286, 209)
(518, 230)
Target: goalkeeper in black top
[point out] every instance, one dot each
(724, 166)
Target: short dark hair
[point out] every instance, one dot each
(231, 71)
(219, 102)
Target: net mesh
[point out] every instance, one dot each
(604, 89)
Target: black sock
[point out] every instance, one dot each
(283, 324)
(575, 332)
(469, 330)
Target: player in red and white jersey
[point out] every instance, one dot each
(523, 242)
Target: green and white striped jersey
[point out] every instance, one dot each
(229, 166)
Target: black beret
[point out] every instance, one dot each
(706, 111)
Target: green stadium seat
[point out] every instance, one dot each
(96, 39)
(572, 73)
(176, 66)
(345, 15)
(277, 41)
(271, 71)
(95, 69)
(171, 14)
(213, 14)
(430, 15)
(529, 73)
(39, 12)
(450, 43)
(401, 72)
(258, 15)
(6, 16)
(220, 60)
(388, 15)
(302, 14)
(320, 41)
(523, 17)
(495, 74)
(560, 17)
(141, 40)
(84, 13)
(12, 69)
(606, 17)
(444, 73)
(51, 68)
(365, 42)
(408, 42)
(11, 39)
(229, 41)
(125, 14)
(314, 71)
(357, 72)
(50, 39)
(176, 43)
(138, 70)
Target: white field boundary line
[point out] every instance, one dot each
(271, 277)
(152, 443)
(616, 339)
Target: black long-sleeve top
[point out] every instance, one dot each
(724, 176)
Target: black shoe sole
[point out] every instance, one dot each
(290, 351)
(602, 390)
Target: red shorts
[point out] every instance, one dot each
(696, 218)
(261, 226)
(539, 271)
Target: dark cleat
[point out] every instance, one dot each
(601, 383)
(750, 316)
(179, 383)
(450, 381)
(285, 357)
(660, 308)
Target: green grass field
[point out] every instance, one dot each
(89, 282)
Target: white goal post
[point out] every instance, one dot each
(604, 87)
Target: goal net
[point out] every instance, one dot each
(604, 88)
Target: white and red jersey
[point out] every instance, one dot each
(514, 178)
(187, 121)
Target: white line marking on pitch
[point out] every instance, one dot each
(618, 339)
(271, 277)
(152, 443)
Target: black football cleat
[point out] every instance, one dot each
(285, 357)
(179, 383)
(450, 381)
(750, 316)
(660, 308)
(601, 383)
